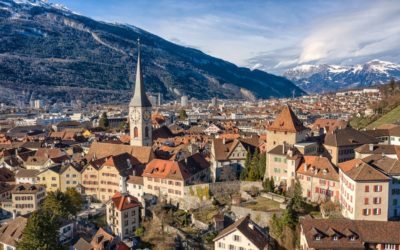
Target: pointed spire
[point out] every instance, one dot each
(139, 98)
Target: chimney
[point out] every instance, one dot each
(284, 148)
(123, 185)
(223, 141)
(251, 226)
(305, 166)
(371, 147)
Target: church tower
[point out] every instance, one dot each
(140, 111)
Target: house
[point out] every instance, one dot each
(349, 234)
(386, 134)
(102, 178)
(25, 198)
(212, 129)
(319, 179)
(228, 157)
(364, 191)
(324, 126)
(286, 129)
(103, 240)
(340, 144)
(392, 151)
(50, 178)
(123, 215)
(167, 179)
(27, 176)
(135, 187)
(11, 232)
(242, 234)
(70, 176)
(282, 162)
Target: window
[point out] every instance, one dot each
(317, 237)
(236, 238)
(366, 211)
(53, 178)
(146, 132)
(231, 247)
(366, 189)
(352, 238)
(377, 200)
(377, 211)
(221, 245)
(366, 201)
(335, 237)
(395, 202)
(389, 247)
(378, 188)
(135, 132)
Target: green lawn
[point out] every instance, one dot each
(391, 117)
(262, 204)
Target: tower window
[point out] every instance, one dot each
(135, 132)
(146, 132)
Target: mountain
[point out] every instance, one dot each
(48, 51)
(326, 78)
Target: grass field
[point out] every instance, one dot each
(262, 204)
(391, 117)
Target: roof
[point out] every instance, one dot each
(138, 180)
(11, 231)
(318, 166)
(101, 150)
(287, 121)
(249, 229)
(329, 124)
(358, 170)
(224, 147)
(383, 163)
(27, 189)
(124, 163)
(124, 201)
(82, 244)
(139, 98)
(385, 232)
(378, 149)
(26, 173)
(101, 238)
(178, 170)
(348, 137)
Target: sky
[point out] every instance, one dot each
(265, 34)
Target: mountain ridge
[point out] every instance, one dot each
(328, 78)
(43, 46)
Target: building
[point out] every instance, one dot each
(282, 162)
(338, 234)
(391, 151)
(140, 111)
(228, 157)
(104, 177)
(340, 144)
(50, 178)
(319, 179)
(324, 126)
(167, 179)
(11, 231)
(70, 177)
(184, 101)
(25, 198)
(286, 129)
(123, 215)
(242, 234)
(28, 176)
(135, 187)
(364, 191)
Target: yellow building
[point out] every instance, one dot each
(70, 177)
(50, 178)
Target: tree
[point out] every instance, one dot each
(297, 196)
(75, 200)
(182, 115)
(253, 172)
(139, 231)
(262, 165)
(103, 122)
(268, 185)
(40, 232)
(58, 204)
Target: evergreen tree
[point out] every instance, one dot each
(246, 169)
(40, 232)
(297, 196)
(103, 122)
(253, 172)
(268, 185)
(262, 165)
(182, 114)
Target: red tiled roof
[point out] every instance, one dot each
(124, 201)
(287, 121)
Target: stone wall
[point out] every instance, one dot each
(275, 197)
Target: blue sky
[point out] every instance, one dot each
(270, 35)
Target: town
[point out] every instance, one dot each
(287, 173)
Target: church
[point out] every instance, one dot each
(140, 111)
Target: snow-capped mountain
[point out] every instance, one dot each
(325, 78)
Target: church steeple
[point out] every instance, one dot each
(140, 111)
(139, 98)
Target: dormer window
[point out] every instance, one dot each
(318, 237)
(352, 238)
(335, 237)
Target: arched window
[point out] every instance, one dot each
(135, 132)
(146, 132)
